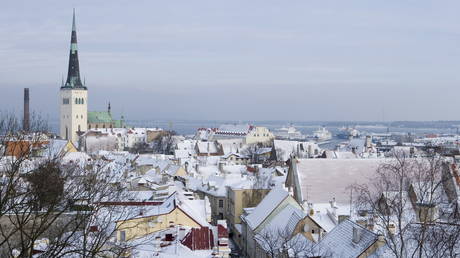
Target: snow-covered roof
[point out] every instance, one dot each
(339, 241)
(340, 154)
(324, 179)
(238, 155)
(207, 147)
(140, 195)
(282, 224)
(266, 206)
(55, 148)
(216, 185)
(195, 209)
(324, 214)
(80, 158)
(172, 170)
(234, 128)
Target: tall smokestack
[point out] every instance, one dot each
(26, 122)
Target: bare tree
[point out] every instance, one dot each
(282, 242)
(164, 143)
(50, 198)
(406, 204)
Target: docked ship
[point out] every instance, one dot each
(289, 133)
(348, 133)
(322, 134)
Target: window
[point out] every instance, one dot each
(221, 203)
(79, 128)
(221, 216)
(82, 101)
(76, 101)
(122, 236)
(65, 101)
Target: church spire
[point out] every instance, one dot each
(73, 74)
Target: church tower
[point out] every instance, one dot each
(73, 96)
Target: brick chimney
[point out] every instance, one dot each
(26, 121)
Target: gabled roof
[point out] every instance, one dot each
(324, 179)
(57, 148)
(282, 223)
(266, 207)
(339, 241)
(234, 129)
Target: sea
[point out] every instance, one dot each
(189, 127)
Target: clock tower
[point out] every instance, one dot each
(73, 96)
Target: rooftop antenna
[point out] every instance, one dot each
(351, 200)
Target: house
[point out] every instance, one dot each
(349, 239)
(23, 148)
(213, 187)
(426, 197)
(320, 180)
(256, 222)
(259, 134)
(321, 218)
(174, 172)
(176, 210)
(285, 148)
(208, 149)
(154, 133)
(236, 159)
(96, 140)
(248, 134)
(237, 200)
(56, 148)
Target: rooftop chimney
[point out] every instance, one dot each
(26, 121)
(356, 235)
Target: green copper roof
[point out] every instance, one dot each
(119, 124)
(100, 117)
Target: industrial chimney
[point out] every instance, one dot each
(26, 121)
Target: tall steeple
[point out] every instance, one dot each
(73, 74)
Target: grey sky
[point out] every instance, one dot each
(239, 60)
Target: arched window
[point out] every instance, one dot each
(76, 101)
(79, 129)
(66, 133)
(82, 101)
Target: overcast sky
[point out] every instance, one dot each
(239, 60)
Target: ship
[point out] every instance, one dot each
(322, 134)
(289, 133)
(348, 133)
